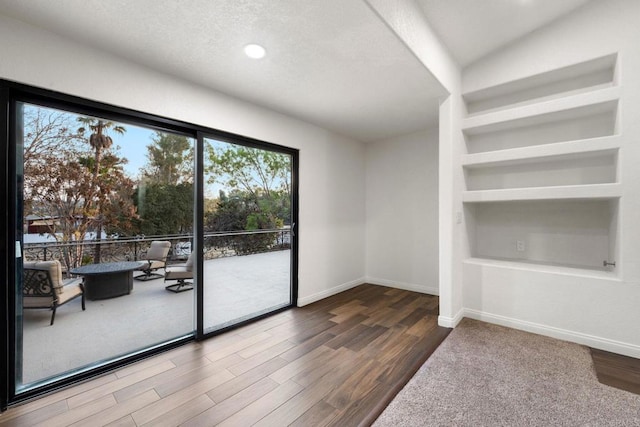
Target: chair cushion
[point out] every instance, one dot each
(70, 290)
(53, 267)
(189, 264)
(158, 250)
(154, 265)
(37, 302)
(178, 274)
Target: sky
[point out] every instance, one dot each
(131, 145)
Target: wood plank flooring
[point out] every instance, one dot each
(616, 370)
(337, 362)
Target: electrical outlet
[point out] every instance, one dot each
(520, 247)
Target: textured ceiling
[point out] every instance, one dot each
(332, 62)
(472, 29)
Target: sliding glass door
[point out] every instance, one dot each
(133, 234)
(247, 268)
(98, 197)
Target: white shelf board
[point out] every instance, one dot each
(515, 156)
(545, 268)
(580, 105)
(591, 191)
(602, 64)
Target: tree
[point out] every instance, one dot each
(100, 142)
(76, 187)
(164, 208)
(258, 181)
(63, 187)
(165, 194)
(249, 169)
(170, 159)
(48, 134)
(238, 211)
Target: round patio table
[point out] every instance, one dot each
(108, 279)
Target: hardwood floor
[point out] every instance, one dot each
(616, 370)
(335, 362)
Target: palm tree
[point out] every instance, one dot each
(99, 141)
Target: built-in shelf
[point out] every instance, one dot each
(585, 168)
(545, 268)
(594, 191)
(541, 171)
(568, 108)
(515, 156)
(573, 79)
(562, 233)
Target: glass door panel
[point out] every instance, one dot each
(106, 207)
(247, 233)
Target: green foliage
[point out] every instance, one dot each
(170, 159)
(164, 197)
(240, 211)
(164, 208)
(248, 169)
(259, 194)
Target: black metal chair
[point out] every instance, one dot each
(43, 287)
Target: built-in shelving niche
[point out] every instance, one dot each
(580, 234)
(541, 170)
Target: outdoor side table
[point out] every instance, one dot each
(109, 279)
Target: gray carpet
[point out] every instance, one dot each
(488, 375)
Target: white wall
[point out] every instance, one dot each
(406, 19)
(332, 167)
(595, 310)
(402, 212)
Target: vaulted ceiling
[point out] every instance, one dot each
(333, 63)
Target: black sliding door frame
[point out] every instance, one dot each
(11, 94)
(7, 252)
(252, 143)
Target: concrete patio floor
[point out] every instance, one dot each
(236, 288)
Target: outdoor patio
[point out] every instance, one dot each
(236, 288)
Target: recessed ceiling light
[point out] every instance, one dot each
(255, 51)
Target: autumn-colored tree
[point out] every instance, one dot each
(75, 186)
(46, 133)
(62, 187)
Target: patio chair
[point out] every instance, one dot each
(156, 258)
(180, 273)
(43, 286)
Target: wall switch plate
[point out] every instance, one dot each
(520, 247)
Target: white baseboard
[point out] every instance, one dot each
(329, 292)
(451, 322)
(600, 343)
(431, 290)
